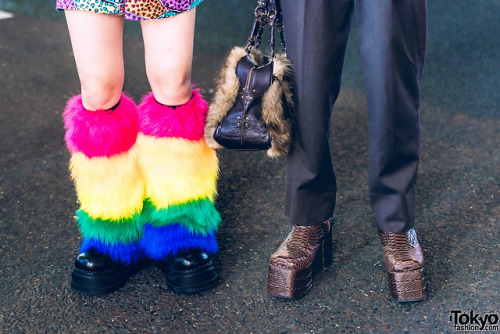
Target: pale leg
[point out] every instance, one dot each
(98, 49)
(168, 47)
(179, 170)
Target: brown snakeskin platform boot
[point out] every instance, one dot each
(291, 266)
(405, 265)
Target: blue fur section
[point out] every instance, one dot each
(160, 242)
(126, 254)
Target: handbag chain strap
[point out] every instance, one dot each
(267, 11)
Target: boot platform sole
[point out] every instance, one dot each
(195, 281)
(98, 283)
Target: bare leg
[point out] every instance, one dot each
(103, 164)
(168, 46)
(180, 233)
(98, 49)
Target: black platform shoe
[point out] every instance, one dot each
(96, 274)
(189, 271)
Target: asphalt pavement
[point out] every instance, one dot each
(458, 206)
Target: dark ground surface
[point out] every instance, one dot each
(458, 200)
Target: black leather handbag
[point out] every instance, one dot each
(253, 102)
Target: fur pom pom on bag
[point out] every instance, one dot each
(277, 101)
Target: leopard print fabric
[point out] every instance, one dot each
(132, 9)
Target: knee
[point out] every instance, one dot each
(101, 93)
(173, 88)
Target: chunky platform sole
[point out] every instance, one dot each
(407, 286)
(290, 283)
(191, 282)
(101, 283)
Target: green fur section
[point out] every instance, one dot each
(199, 216)
(110, 231)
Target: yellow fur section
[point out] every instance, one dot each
(177, 170)
(108, 188)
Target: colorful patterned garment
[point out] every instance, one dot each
(132, 9)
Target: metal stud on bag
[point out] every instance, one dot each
(257, 89)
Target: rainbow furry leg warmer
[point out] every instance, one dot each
(180, 172)
(107, 178)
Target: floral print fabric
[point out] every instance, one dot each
(132, 9)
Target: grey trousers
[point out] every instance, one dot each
(392, 42)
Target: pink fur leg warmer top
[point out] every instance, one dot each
(100, 133)
(186, 121)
